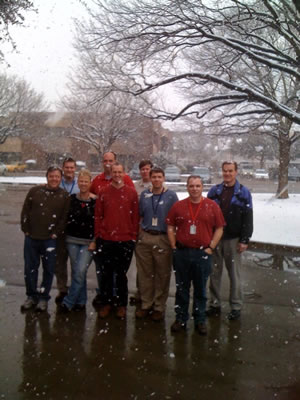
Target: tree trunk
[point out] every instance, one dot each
(284, 160)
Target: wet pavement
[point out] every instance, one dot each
(78, 356)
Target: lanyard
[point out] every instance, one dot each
(154, 209)
(63, 183)
(197, 211)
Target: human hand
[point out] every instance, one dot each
(242, 247)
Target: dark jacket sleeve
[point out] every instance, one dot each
(247, 219)
(60, 227)
(25, 213)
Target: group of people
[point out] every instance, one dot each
(109, 218)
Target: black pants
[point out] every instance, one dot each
(113, 259)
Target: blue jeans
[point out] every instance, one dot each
(81, 259)
(35, 251)
(191, 265)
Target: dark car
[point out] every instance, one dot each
(135, 172)
(204, 173)
(293, 174)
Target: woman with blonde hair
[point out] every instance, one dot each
(80, 242)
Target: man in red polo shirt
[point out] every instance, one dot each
(116, 228)
(105, 178)
(195, 226)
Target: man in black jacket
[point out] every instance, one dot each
(43, 219)
(236, 204)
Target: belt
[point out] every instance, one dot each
(182, 246)
(154, 232)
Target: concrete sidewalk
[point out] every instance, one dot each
(78, 356)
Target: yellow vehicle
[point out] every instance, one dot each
(17, 167)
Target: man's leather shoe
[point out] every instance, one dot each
(104, 311)
(234, 315)
(178, 326)
(121, 312)
(200, 327)
(141, 313)
(157, 316)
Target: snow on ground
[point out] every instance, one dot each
(275, 221)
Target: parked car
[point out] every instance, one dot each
(17, 167)
(293, 174)
(172, 174)
(246, 169)
(273, 173)
(261, 174)
(81, 164)
(135, 172)
(2, 168)
(204, 173)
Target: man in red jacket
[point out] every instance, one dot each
(116, 228)
(99, 182)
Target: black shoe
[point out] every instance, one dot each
(234, 315)
(178, 326)
(213, 311)
(200, 327)
(133, 301)
(59, 298)
(79, 307)
(63, 309)
(97, 301)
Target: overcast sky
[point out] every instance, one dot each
(45, 53)
(44, 46)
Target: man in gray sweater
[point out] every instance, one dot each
(43, 219)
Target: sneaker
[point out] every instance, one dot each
(141, 313)
(213, 311)
(59, 298)
(63, 308)
(178, 326)
(28, 304)
(234, 315)
(121, 312)
(42, 306)
(157, 316)
(97, 301)
(200, 327)
(104, 311)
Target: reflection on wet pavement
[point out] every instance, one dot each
(77, 356)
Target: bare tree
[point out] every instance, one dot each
(17, 103)
(11, 13)
(251, 74)
(103, 122)
(255, 147)
(100, 113)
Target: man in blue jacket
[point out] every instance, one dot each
(236, 204)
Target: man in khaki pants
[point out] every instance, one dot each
(153, 251)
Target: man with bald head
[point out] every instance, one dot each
(105, 178)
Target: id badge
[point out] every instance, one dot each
(154, 221)
(193, 229)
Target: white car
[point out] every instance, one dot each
(3, 169)
(261, 174)
(172, 174)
